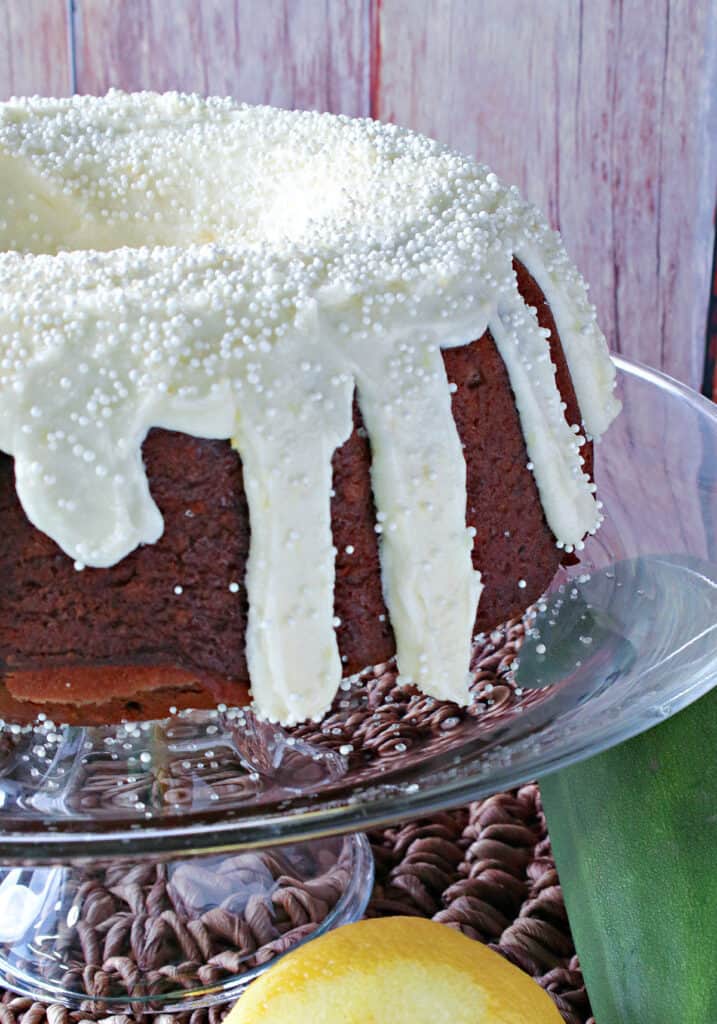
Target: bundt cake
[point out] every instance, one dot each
(281, 394)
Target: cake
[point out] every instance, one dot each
(282, 395)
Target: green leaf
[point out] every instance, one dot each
(634, 833)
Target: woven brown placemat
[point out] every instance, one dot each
(486, 870)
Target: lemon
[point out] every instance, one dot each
(394, 970)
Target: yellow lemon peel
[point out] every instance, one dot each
(396, 970)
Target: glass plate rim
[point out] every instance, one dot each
(208, 834)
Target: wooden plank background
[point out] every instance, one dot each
(301, 53)
(35, 48)
(603, 113)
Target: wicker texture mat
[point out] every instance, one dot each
(486, 870)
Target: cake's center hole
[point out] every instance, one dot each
(233, 203)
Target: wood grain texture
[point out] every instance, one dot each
(710, 382)
(604, 115)
(35, 48)
(303, 53)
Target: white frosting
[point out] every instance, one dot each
(235, 272)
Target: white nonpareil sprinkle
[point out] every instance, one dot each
(237, 272)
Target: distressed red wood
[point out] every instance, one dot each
(302, 53)
(603, 114)
(35, 48)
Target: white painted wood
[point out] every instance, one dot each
(604, 113)
(34, 48)
(301, 53)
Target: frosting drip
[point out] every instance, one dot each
(237, 272)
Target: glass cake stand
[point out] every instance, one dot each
(161, 865)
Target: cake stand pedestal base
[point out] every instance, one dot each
(168, 937)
